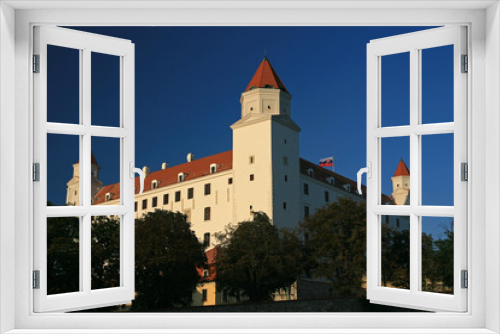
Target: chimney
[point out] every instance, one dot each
(146, 170)
(164, 165)
(190, 157)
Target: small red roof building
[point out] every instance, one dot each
(402, 170)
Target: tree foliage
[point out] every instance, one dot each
(335, 242)
(257, 258)
(167, 254)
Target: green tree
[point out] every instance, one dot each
(105, 252)
(167, 254)
(257, 258)
(335, 240)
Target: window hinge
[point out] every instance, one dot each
(36, 172)
(465, 64)
(36, 279)
(465, 279)
(464, 167)
(36, 63)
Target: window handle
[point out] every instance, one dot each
(139, 171)
(368, 171)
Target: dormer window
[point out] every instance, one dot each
(154, 184)
(310, 172)
(213, 168)
(181, 177)
(205, 273)
(330, 180)
(347, 187)
(107, 197)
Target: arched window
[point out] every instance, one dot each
(213, 168)
(154, 184)
(181, 177)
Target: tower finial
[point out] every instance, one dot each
(265, 54)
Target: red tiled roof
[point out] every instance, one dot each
(266, 77)
(402, 169)
(209, 265)
(166, 177)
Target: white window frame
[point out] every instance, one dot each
(484, 213)
(213, 168)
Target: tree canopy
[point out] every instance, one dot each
(257, 258)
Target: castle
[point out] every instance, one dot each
(263, 172)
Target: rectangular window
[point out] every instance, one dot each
(190, 193)
(207, 213)
(155, 202)
(165, 199)
(306, 211)
(251, 160)
(230, 180)
(327, 196)
(178, 196)
(144, 204)
(207, 189)
(206, 239)
(204, 295)
(135, 207)
(306, 189)
(252, 177)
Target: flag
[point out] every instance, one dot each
(326, 162)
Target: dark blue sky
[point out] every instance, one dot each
(188, 86)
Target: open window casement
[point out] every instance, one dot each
(78, 215)
(380, 216)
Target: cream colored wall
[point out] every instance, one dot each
(401, 193)
(289, 191)
(260, 99)
(211, 294)
(220, 201)
(316, 198)
(252, 140)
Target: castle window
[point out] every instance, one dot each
(205, 273)
(204, 294)
(306, 211)
(230, 180)
(284, 205)
(251, 159)
(347, 187)
(178, 196)
(154, 203)
(207, 189)
(206, 239)
(269, 107)
(327, 196)
(207, 213)
(181, 177)
(144, 204)
(310, 172)
(306, 189)
(108, 197)
(190, 193)
(165, 199)
(252, 177)
(285, 141)
(135, 207)
(154, 184)
(330, 180)
(286, 178)
(213, 168)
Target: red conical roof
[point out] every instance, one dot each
(402, 169)
(266, 77)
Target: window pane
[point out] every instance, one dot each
(437, 254)
(395, 94)
(105, 252)
(63, 255)
(395, 171)
(63, 170)
(63, 85)
(437, 84)
(105, 170)
(105, 90)
(437, 169)
(395, 252)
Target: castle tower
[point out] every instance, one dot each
(266, 151)
(73, 189)
(401, 184)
